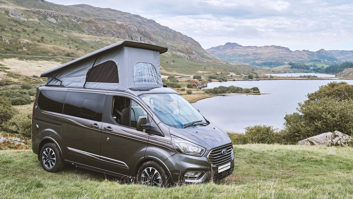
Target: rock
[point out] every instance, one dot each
(14, 13)
(51, 20)
(329, 139)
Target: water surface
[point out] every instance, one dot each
(236, 112)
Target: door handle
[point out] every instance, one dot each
(108, 128)
(95, 125)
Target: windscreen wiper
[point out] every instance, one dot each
(192, 123)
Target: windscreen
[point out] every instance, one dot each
(172, 109)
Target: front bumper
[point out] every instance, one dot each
(179, 164)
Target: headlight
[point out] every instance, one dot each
(188, 147)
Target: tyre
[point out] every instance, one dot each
(152, 174)
(50, 158)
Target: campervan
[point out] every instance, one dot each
(109, 112)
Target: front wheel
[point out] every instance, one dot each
(50, 158)
(152, 174)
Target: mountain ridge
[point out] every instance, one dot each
(273, 55)
(37, 28)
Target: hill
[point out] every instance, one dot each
(36, 29)
(273, 56)
(262, 171)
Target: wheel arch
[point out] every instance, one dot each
(46, 140)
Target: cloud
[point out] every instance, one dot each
(298, 24)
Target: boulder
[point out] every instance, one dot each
(329, 139)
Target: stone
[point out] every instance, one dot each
(329, 139)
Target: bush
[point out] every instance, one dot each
(17, 96)
(183, 89)
(190, 86)
(328, 109)
(261, 134)
(6, 110)
(173, 85)
(26, 86)
(238, 138)
(172, 79)
(21, 124)
(198, 77)
(189, 92)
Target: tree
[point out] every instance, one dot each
(328, 109)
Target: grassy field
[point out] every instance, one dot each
(262, 171)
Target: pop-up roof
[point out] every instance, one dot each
(123, 65)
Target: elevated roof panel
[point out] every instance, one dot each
(107, 48)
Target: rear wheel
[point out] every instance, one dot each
(152, 174)
(50, 158)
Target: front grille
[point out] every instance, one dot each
(217, 158)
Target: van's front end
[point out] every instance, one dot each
(202, 151)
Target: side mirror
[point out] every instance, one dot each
(141, 123)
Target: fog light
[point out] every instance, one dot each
(193, 174)
(232, 154)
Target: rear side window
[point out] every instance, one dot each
(84, 105)
(105, 72)
(51, 101)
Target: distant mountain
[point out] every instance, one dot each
(277, 55)
(39, 29)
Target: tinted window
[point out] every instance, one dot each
(105, 72)
(84, 105)
(126, 111)
(51, 101)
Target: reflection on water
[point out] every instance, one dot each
(236, 112)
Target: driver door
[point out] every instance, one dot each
(121, 144)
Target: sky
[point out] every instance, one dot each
(297, 24)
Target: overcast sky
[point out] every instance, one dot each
(297, 24)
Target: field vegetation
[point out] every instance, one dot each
(261, 171)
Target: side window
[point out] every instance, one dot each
(51, 101)
(145, 73)
(126, 111)
(105, 72)
(84, 105)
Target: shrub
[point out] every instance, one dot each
(172, 79)
(183, 89)
(189, 92)
(190, 86)
(173, 85)
(6, 110)
(317, 117)
(198, 77)
(21, 124)
(328, 109)
(26, 86)
(238, 138)
(261, 134)
(17, 96)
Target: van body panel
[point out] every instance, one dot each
(207, 136)
(123, 144)
(99, 143)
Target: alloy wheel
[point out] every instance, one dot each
(151, 176)
(48, 158)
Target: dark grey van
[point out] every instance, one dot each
(148, 134)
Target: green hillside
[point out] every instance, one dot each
(262, 171)
(35, 29)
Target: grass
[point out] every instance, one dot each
(262, 171)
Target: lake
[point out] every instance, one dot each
(236, 112)
(322, 75)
